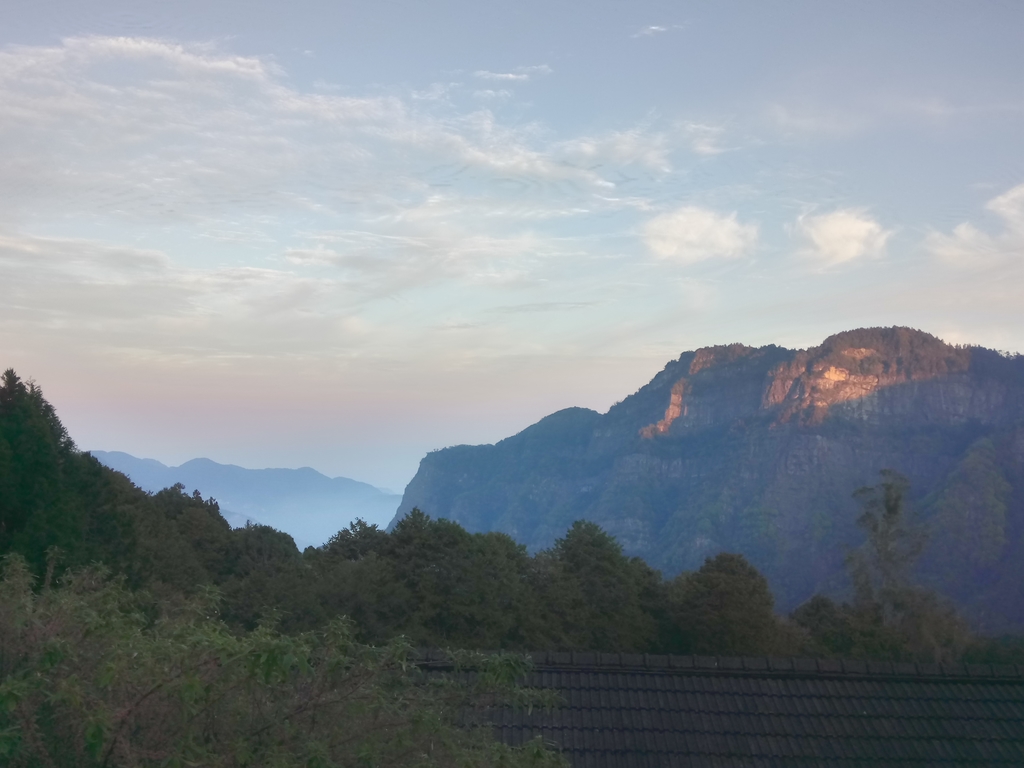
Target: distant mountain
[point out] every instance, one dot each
(302, 502)
(758, 451)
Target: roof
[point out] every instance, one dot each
(645, 711)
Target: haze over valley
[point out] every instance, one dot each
(301, 502)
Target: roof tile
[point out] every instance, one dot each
(805, 665)
(855, 667)
(954, 670)
(831, 666)
(979, 670)
(880, 667)
(652, 712)
(755, 663)
(905, 668)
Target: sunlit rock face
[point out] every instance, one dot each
(758, 450)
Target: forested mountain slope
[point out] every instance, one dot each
(758, 451)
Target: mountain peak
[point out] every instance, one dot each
(802, 384)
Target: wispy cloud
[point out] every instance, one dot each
(704, 139)
(969, 246)
(221, 148)
(638, 146)
(518, 75)
(489, 94)
(437, 92)
(656, 29)
(183, 132)
(229, 212)
(113, 297)
(265, 220)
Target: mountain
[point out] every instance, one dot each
(758, 451)
(302, 502)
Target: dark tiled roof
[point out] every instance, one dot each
(637, 711)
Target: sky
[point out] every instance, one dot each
(344, 234)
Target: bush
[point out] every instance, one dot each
(86, 680)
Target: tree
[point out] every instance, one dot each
(890, 617)
(725, 608)
(356, 541)
(50, 494)
(462, 588)
(969, 521)
(880, 569)
(590, 596)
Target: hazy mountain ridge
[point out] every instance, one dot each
(758, 451)
(302, 502)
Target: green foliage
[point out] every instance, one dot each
(443, 571)
(968, 518)
(895, 350)
(592, 597)
(86, 680)
(356, 542)
(50, 494)
(725, 608)
(880, 568)
(890, 617)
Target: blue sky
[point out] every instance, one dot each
(341, 235)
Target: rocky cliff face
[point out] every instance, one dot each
(759, 450)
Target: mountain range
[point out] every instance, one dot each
(304, 503)
(759, 451)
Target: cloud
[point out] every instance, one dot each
(510, 76)
(969, 246)
(704, 139)
(141, 135)
(489, 94)
(841, 236)
(160, 199)
(519, 74)
(691, 234)
(638, 146)
(86, 121)
(372, 265)
(655, 29)
(105, 298)
(436, 92)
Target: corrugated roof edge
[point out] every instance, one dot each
(752, 666)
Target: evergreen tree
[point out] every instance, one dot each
(725, 608)
(591, 596)
(50, 494)
(890, 617)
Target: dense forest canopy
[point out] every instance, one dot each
(89, 555)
